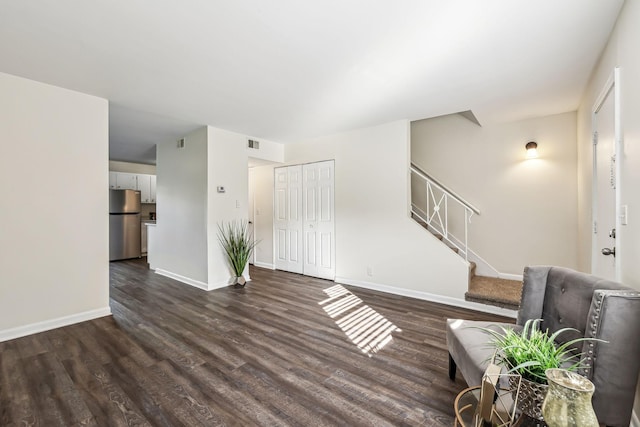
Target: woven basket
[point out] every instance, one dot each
(530, 397)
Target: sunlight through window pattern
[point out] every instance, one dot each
(364, 326)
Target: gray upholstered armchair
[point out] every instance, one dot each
(565, 298)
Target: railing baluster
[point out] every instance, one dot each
(446, 215)
(435, 209)
(466, 235)
(427, 198)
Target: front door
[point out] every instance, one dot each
(604, 257)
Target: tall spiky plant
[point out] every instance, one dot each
(238, 244)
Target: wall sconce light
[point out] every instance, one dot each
(532, 150)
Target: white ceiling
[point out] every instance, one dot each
(285, 70)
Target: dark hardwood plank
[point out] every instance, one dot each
(267, 354)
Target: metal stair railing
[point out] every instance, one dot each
(436, 213)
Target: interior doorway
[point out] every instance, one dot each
(606, 171)
(304, 219)
(251, 213)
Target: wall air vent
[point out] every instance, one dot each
(253, 144)
(181, 142)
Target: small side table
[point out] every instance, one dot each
(465, 406)
(467, 414)
(493, 402)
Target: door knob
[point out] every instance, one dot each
(607, 251)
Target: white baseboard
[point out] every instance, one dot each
(635, 421)
(456, 302)
(268, 265)
(195, 283)
(34, 328)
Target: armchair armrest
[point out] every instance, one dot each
(612, 366)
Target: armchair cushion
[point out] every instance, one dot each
(471, 348)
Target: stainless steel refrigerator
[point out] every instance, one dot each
(124, 224)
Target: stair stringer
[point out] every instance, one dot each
(446, 251)
(483, 268)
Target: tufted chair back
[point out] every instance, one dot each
(597, 308)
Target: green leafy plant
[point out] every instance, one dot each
(238, 244)
(531, 352)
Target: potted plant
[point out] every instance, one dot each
(529, 353)
(238, 245)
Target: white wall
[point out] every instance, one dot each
(189, 207)
(373, 228)
(54, 266)
(180, 248)
(227, 158)
(269, 150)
(621, 51)
(118, 166)
(528, 208)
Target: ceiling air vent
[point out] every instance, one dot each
(253, 144)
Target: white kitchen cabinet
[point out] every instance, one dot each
(153, 188)
(144, 235)
(143, 239)
(144, 185)
(113, 176)
(151, 245)
(126, 181)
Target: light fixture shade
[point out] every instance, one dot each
(532, 150)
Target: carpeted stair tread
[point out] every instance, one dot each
(493, 291)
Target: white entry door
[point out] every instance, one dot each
(287, 219)
(319, 222)
(604, 257)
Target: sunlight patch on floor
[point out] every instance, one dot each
(365, 327)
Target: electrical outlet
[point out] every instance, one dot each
(237, 203)
(369, 271)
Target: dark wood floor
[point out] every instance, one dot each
(268, 354)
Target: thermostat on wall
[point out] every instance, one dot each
(220, 189)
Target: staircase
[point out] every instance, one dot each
(437, 214)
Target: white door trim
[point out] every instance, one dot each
(612, 86)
